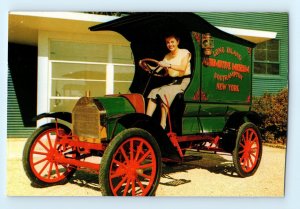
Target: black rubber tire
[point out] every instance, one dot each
(246, 171)
(36, 181)
(120, 141)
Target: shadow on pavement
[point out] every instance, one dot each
(214, 163)
(86, 179)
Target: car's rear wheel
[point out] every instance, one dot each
(248, 150)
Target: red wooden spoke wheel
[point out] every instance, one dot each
(248, 150)
(131, 165)
(40, 154)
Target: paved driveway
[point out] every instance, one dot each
(204, 174)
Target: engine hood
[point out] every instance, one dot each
(89, 116)
(115, 105)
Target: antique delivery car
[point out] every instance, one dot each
(214, 112)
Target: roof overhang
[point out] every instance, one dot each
(24, 26)
(255, 36)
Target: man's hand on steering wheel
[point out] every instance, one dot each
(154, 67)
(164, 64)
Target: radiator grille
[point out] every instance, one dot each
(86, 120)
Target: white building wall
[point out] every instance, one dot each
(42, 76)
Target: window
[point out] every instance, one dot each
(77, 68)
(123, 76)
(76, 51)
(266, 58)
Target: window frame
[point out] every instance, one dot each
(268, 75)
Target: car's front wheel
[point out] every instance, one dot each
(131, 165)
(40, 152)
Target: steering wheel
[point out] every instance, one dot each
(152, 67)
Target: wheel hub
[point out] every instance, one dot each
(134, 171)
(247, 148)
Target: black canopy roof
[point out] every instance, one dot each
(146, 32)
(136, 25)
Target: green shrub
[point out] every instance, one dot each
(274, 109)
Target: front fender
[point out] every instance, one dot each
(138, 120)
(66, 116)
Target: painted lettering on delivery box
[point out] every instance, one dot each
(234, 70)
